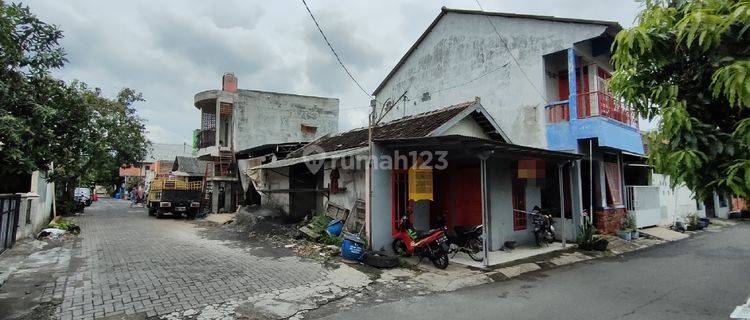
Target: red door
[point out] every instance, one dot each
(519, 203)
(468, 197)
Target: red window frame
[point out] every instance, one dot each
(519, 203)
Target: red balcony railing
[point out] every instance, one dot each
(605, 106)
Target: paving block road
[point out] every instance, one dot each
(128, 263)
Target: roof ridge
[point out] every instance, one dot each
(410, 117)
(529, 16)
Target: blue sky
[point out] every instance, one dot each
(169, 50)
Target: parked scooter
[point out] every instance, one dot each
(465, 239)
(544, 229)
(431, 244)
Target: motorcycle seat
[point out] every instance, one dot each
(421, 234)
(462, 230)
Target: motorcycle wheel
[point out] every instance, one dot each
(537, 239)
(475, 250)
(399, 248)
(440, 259)
(550, 238)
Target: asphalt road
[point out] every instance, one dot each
(703, 277)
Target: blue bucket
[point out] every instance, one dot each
(334, 228)
(353, 248)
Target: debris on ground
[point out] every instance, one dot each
(59, 228)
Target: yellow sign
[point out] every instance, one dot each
(420, 183)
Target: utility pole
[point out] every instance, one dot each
(374, 120)
(368, 202)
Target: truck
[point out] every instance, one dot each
(174, 195)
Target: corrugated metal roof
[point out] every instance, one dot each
(191, 166)
(314, 158)
(168, 151)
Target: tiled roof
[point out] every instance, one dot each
(416, 126)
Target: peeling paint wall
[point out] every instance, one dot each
(463, 58)
(275, 179)
(352, 180)
(268, 117)
(35, 211)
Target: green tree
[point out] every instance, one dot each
(28, 51)
(99, 137)
(44, 121)
(685, 64)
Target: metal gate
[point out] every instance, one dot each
(9, 211)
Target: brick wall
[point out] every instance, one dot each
(609, 220)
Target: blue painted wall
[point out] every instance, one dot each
(610, 133)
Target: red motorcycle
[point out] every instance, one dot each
(431, 244)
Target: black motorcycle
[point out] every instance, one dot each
(465, 239)
(544, 229)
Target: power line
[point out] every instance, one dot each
(507, 48)
(334, 51)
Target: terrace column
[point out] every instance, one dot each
(572, 83)
(485, 207)
(562, 200)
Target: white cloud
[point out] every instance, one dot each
(170, 50)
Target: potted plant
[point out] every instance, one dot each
(627, 227)
(587, 239)
(631, 224)
(626, 234)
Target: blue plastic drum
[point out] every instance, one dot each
(353, 248)
(334, 228)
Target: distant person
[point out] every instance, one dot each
(132, 196)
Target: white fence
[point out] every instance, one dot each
(643, 203)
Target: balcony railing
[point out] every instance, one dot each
(605, 106)
(207, 138)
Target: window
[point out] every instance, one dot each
(612, 177)
(698, 205)
(28, 212)
(722, 201)
(519, 204)
(308, 130)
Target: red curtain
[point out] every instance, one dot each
(612, 175)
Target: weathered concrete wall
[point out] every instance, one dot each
(352, 180)
(275, 179)
(381, 205)
(463, 58)
(500, 202)
(466, 127)
(268, 117)
(721, 211)
(36, 206)
(676, 203)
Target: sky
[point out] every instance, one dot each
(171, 50)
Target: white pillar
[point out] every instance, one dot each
(485, 208)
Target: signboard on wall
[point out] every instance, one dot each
(420, 183)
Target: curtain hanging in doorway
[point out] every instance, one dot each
(420, 183)
(612, 174)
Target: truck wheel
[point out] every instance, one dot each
(159, 213)
(191, 215)
(151, 210)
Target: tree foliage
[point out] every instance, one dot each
(686, 64)
(44, 121)
(28, 51)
